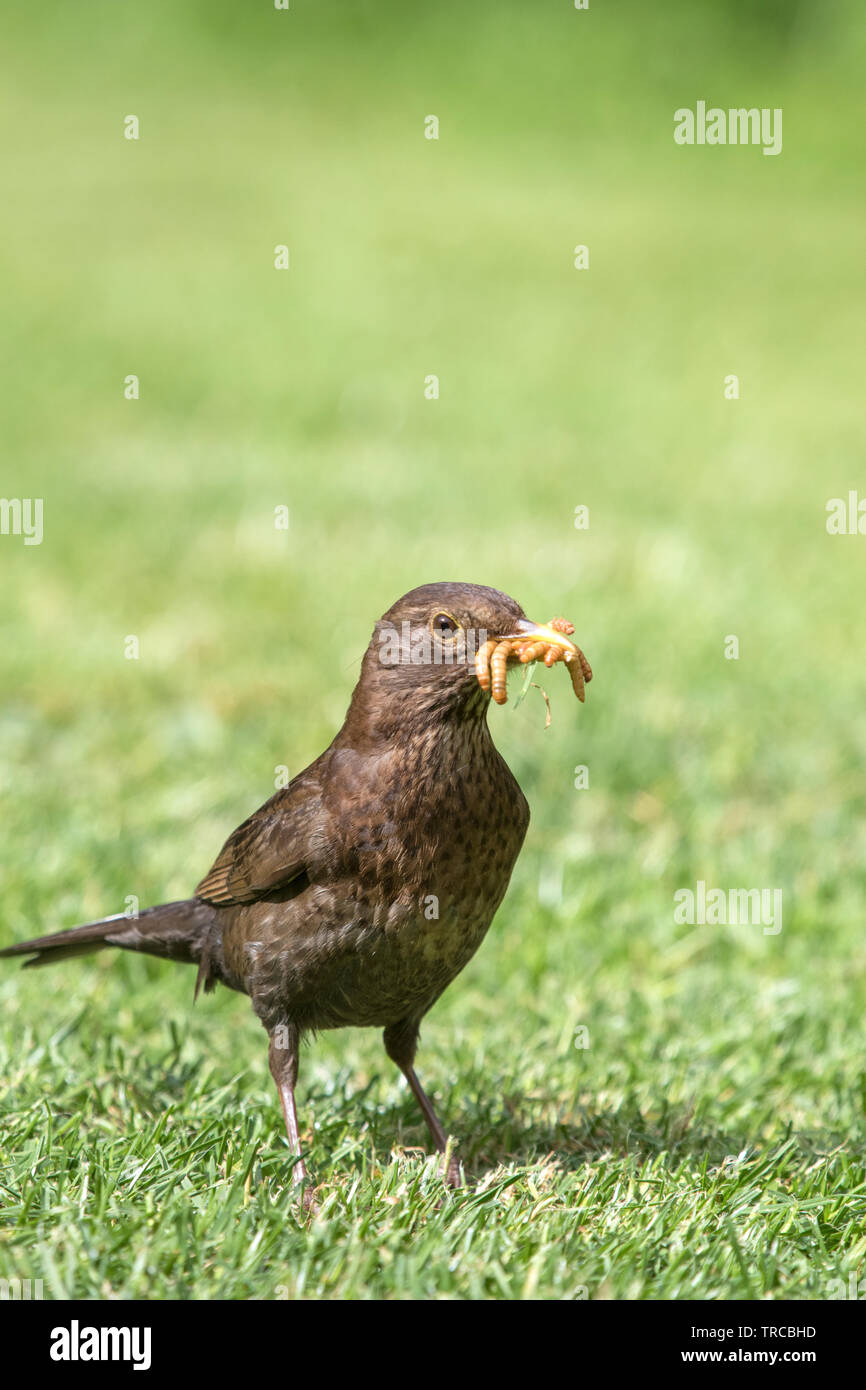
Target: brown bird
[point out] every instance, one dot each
(356, 894)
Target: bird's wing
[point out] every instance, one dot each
(271, 851)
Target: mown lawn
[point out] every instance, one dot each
(708, 1140)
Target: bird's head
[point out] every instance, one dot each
(420, 664)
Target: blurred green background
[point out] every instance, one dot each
(558, 388)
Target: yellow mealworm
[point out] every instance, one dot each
(482, 663)
(532, 651)
(498, 667)
(491, 661)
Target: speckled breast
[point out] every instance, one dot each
(379, 940)
(442, 900)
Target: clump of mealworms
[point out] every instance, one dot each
(491, 661)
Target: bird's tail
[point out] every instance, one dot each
(175, 931)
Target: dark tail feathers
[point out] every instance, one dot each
(175, 931)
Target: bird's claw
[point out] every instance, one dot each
(452, 1174)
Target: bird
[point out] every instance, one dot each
(360, 890)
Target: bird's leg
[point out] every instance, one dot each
(401, 1041)
(283, 1048)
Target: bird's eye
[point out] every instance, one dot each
(444, 623)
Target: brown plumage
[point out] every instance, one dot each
(356, 894)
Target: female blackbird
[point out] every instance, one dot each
(359, 891)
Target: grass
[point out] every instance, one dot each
(709, 1141)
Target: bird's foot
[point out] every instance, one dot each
(309, 1201)
(304, 1189)
(452, 1174)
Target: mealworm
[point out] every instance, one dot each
(482, 662)
(575, 670)
(532, 651)
(498, 668)
(491, 661)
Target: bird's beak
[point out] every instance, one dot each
(540, 632)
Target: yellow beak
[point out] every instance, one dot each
(540, 632)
